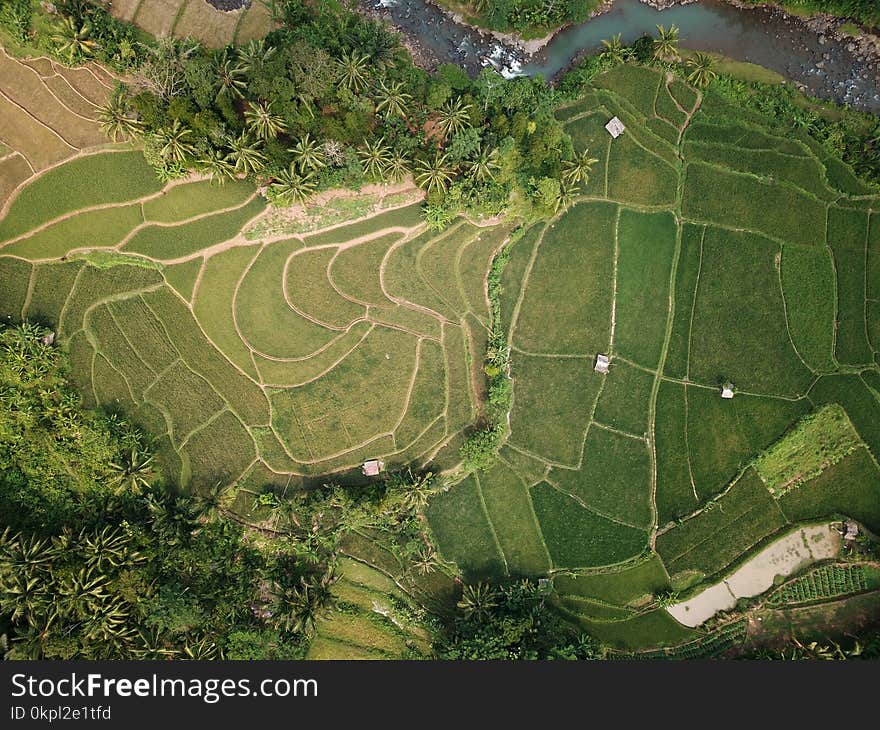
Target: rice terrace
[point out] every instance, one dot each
(623, 398)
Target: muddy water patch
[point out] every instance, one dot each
(797, 550)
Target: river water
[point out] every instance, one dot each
(824, 67)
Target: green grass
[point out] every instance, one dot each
(311, 292)
(189, 200)
(860, 405)
(213, 304)
(113, 177)
(16, 275)
(95, 229)
(242, 395)
(742, 201)
(187, 396)
(625, 399)
(426, 403)
(52, 285)
(808, 288)
(847, 236)
(716, 537)
(176, 241)
(218, 453)
(686, 277)
(355, 269)
(510, 509)
(724, 435)
(807, 173)
(266, 320)
(739, 332)
(646, 244)
(567, 304)
(675, 492)
(578, 538)
(815, 443)
(520, 252)
(851, 487)
(630, 585)
(552, 401)
(146, 334)
(638, 176)
(362, 396)
(615, 478)
(637, 84)
(182, 277)
(461, 529)
(652, 629)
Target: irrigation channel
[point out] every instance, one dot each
(811, 53)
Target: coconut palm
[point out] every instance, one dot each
(392, 100)
(229, 76)
(73, 38)
(353, 69)
(434, 175)
(477, 601)
(701, 67)
(375, 157)
(174, 141)
(291, 187)
(565, 197)
(307, 154)
(454, 117)
(398, 167)
(484, 164)
(254, 55)
(117, 118)
(263, 122)
(666, 45)
(132, 471)
(245, 155)
(217, 165)
(578, 170)
(426, 560)
(614, 50)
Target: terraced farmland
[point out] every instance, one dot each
(692, 262)
(263, 355)
(197, 19)
(255, 361)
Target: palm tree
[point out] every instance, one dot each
(398, 167)
(454, 117)
(477, 601)
(217, 165)
(263, 121)
(485, 164)
(132, 472)
(614, 50)
(426, 560)
(702, 69)
(392, 100)
(291, 187)
(666, 46)
(565, 198)
(578, 170)
(353, 70)
(117, 118)
(434, 174)
(375, 157)
(230, 76)
(74, 38)
(334, 152)
(245, 155)
(307, 154)
(175, 142)
(255, 54)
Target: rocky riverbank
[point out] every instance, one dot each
(817, 54)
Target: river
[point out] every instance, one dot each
(803, 52)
